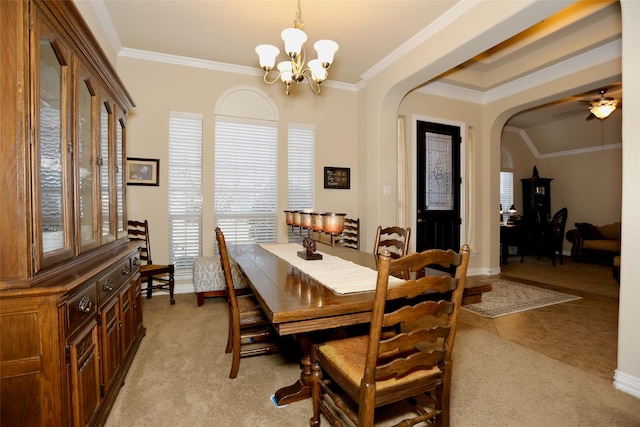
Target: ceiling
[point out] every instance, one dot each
(368, 32)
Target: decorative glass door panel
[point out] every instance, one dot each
(53, 148)
(105, 175)
(86, 165)
(439, 194)
(438, 183)
(122, 229)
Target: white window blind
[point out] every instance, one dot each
(301, 167)
(506, 190)
(246, 181)
(185, 190)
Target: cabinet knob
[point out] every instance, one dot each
(107, 285)
(136, 262)
(125, 271)
(85, 304)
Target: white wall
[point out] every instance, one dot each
(628, 372)
(158, 88)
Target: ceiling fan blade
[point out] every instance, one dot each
(591, 116)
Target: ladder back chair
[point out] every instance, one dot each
(157, 276)
(350, 237)
(393, 239)
(554, 236)
(407, 354)
(248, 325)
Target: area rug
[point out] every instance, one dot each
(507, 297)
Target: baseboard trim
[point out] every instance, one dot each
(627, 383)
(183, 288)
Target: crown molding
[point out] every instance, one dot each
(107, 24)
(213, 65)
(453, 92)
(617, 146)
(425, 34)
(525, 138)
(537, 155)
(188, 61)
(597, 56)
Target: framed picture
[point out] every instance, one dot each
(339, 178)
(142, 171)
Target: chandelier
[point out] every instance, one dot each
(294, 69)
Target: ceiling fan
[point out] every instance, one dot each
(602, 107)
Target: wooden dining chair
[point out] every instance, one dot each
(407, 354)
(156, 276)
(554, 236)
(393, 239)
(350, 237)
(250, 332)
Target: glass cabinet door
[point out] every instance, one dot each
(52, 187)
(120, 184)
(86, 164)
(105, 162)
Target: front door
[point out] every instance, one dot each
(438, 186)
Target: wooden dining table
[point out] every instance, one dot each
(296, 304)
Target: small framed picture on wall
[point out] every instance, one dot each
(142, 171)
(339, 178)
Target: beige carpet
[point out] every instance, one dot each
(180, 378)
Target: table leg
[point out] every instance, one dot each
(301, 389)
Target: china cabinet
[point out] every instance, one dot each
(70, 298)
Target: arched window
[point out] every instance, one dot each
(246, 166)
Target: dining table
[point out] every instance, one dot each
(293, 297)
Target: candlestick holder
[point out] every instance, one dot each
(310, 250)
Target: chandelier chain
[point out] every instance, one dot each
(297, 23)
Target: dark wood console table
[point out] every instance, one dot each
(511, 234)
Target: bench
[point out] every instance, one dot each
(208, 279)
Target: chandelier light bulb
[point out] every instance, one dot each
(267, 54)
(293, 41)
(326, 50)
(286, 71)
(318, 72)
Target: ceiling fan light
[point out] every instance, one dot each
(267, 54)
(603, 110)
(293, 38)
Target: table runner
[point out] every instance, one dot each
(337, 274)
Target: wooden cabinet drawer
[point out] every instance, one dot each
(81, 307)
(135, 263)
(109, 283)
